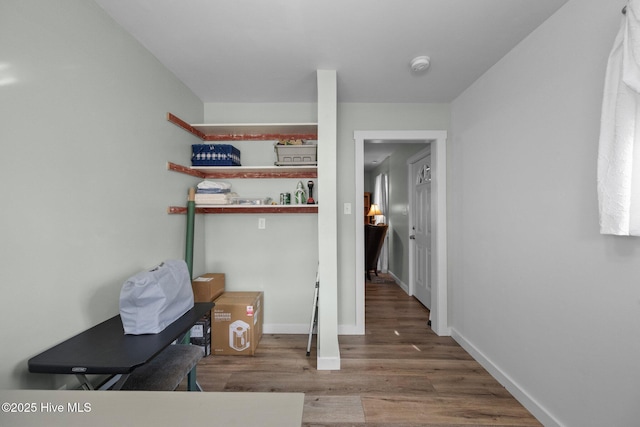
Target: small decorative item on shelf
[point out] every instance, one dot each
(290, 142)
(310, 200)
(285, 198)
(300, 194)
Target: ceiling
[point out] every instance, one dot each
(269, 50)
(376, 152)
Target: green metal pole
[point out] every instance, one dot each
(191, 211)
(188, 252)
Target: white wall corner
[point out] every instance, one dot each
(533, 406)
(327, 339)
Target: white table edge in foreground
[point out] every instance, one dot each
(52, 408)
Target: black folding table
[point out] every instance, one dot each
(105, 349)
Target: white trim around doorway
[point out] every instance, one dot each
(439, 300)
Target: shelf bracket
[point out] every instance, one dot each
(184, 125)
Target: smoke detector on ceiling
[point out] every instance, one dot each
(420, 63)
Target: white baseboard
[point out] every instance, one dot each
(328, 363)
(297, 328)
(284, 328)
(518, 393)
(399, 282)
(350, 330)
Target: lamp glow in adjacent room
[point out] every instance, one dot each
(374, 210)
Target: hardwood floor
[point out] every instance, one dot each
(399, 374)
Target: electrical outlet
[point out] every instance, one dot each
(347, 208)
(262, 223)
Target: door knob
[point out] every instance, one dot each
(412, 237)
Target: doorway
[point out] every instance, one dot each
(438, 273)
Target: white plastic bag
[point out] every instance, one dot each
(152, 300)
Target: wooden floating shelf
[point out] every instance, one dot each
(248, 131)
(228, 172)
(240, 209)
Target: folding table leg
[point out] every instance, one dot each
(192, 383)
(314, 316)
(84, 382)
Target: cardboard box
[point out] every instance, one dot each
(208, 287)
(236, 323)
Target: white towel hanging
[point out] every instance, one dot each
(619, 148)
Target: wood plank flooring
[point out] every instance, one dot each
(398, 374)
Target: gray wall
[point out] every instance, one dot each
(85, 188)
(368, 117)
(550, 305)
(281, 260)
(395, 166)
(398, 210)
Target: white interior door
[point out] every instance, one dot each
(421, 230)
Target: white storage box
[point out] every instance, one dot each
(305, 154)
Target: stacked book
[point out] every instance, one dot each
(214, 193)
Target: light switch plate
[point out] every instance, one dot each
(347, 208)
